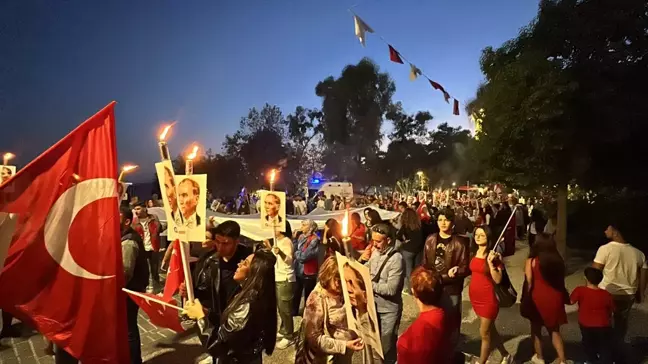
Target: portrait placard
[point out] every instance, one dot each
(273, 210)
(192, 207)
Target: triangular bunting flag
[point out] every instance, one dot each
(394, 56)
(436, 86)
(360, 29)
(455, 109)
(414, 72)
(446, 96)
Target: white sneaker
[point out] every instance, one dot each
(508, 359)
(536, 360)
(284, 343)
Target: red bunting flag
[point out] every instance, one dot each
(436, 86)
(455, 109)
(59, 232)
(175, 274)
(160, 315)
(394, 56)
(446, 96)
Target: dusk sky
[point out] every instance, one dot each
(205, 63)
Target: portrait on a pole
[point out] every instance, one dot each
(273, 210)
(166, 178)
(192, 206)
(360, 306)
(6, 172)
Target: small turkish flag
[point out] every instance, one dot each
(63, 270)
(159, 314)
(175, 274)
(394, 56)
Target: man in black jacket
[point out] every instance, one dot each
(213, 276)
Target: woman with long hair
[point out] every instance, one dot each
(487, 271)
(325, 329)
(332, 237)
(372, 217)
(411, 236)
(544, 295)
(249, 323)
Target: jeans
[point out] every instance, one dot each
(623, 305)
(305, 285)
(596, 341)
(451, 305)
(285, 295)
(134, 343)
(412, 260)
(389, 323)
(153, 259)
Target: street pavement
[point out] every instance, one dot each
(161, 346)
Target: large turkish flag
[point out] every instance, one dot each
(63, 268)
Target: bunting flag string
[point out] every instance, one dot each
(361, 28)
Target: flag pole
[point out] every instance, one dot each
(185, 246)
(504, 230)
(149, 298)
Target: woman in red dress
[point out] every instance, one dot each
(487, 269)
(544, 295)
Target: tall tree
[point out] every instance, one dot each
(564, 100)
(305, 141)
(353, 107)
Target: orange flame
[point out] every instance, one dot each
(165, 131)
(8, 156)
(128, 168)
(345, 224)
(273, 174)
(193, 153)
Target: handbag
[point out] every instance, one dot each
(506, 294)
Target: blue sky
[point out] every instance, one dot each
(205, 63)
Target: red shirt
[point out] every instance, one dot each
(358, 241)
(423, 342)
(595, 306)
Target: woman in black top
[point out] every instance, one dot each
(411, 235)
(249, 323)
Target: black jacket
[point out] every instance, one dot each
(238, 339)
(206, 281)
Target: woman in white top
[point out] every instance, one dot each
(282, 248)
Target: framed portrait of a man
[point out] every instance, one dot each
(360, 306)
(6, 172)
(191, 216)
(166, 178)
(273, 210)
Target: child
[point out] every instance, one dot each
(595, 307)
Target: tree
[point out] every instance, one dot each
(561, 102)
(353, 107)
(406, 126)
(259, 144)
(304, 132)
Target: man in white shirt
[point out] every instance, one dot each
(624, 276)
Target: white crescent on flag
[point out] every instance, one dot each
(62, 215)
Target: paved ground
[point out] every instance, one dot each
(161, 346)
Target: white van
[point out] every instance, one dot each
(344, 189)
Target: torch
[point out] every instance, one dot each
(162, 144)
(125, 169)
(7, 157)
(273, 174)
(189, 161)
(346, 240)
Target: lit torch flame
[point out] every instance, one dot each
(345, 224)
(193, 153)
(7, 156)
(128, 168)
(272, 175)
(165, 132)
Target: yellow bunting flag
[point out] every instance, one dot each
(414, 72)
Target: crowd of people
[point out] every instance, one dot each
(247, 295)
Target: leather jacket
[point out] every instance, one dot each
(457, 254)
(238, 339)
(206, 281)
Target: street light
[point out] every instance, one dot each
(454, 184)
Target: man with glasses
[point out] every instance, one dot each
(213, 276)
(385, 265)
(448, 254)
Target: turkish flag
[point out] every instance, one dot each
(160, 315)
(175, 274)
(394, 56)
(63, 270)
